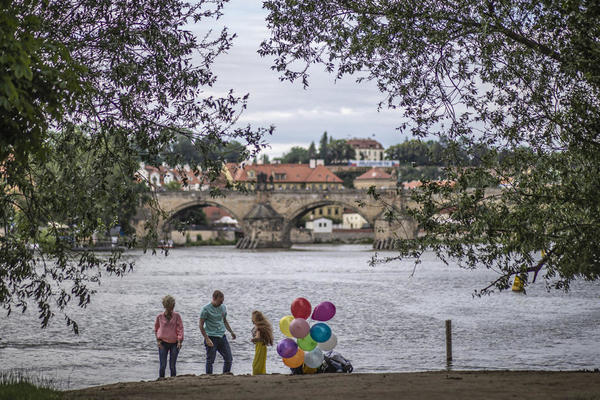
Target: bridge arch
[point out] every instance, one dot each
(293, 217)
(267, 217)
(323, 203)
(202, 203)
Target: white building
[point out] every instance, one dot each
(320, 225)
(367, 149)
(353, 221)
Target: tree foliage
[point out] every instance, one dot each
(185, 150)
(323, 146)
(188, 217)
(312, 151)
(512, 85)
(296, 155)
(332, 151)
(87, 90)
(413, 151)
(338, 152)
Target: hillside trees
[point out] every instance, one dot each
(296, 155)
(87, 90)
(411, 151)
(339, 151)
(514, 89)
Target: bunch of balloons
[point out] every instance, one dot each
(310, 341)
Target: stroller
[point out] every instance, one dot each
(335, 362)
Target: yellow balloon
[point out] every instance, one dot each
(295, 361)
(284, 325)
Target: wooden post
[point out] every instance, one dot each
(448, 341)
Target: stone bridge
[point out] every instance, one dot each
(267, 217)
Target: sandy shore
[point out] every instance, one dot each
(488, 385)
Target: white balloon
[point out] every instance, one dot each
(314, 358)
(328, 345)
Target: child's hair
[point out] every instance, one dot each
(168, 301)
(264, 327)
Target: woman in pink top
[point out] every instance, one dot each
(168, 328)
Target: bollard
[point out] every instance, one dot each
(448, 341)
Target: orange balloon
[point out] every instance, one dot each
(296, 360)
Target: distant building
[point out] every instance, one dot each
(375, 177)
(215, 214)
(285, 176)
(353, 221)
(226, 221)
(158, 177)
(371, 163)
(313, 176)
(334, 211)
(367, 149)
(416, 184)
(320, 225)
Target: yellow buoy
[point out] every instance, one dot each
(518, 285)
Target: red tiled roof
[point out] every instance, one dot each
(374, 173)
(322, 174)
(284, 173)
(364, 144)
(412, 184)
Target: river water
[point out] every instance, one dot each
(387, 320)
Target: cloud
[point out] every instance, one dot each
(279, 149)
(300, 115)
(316, 113)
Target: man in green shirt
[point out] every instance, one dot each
(213, 322)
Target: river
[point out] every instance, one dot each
(387, 320)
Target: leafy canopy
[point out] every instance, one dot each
(489, 76)
(88, 89)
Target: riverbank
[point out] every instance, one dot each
(488, 385)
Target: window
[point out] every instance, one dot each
(280, 177)
(320, 211)
(251, 174)
(337, 211)
(329, 211)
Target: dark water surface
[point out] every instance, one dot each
(386, 320)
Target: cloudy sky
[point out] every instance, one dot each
(344, 108)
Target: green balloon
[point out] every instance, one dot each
(307, 343)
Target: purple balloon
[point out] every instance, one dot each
(287, 348)
(324, 311)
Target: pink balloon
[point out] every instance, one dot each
(324, 311)
(299, 328)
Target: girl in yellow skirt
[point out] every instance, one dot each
(262, 336)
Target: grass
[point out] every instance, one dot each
(15, 385)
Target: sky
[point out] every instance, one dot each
(345, 109)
